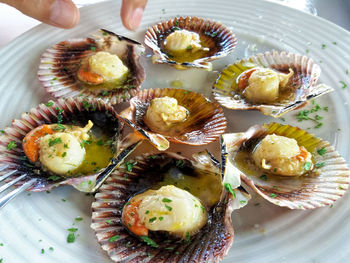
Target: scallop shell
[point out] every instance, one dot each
(326, 183)
(211, 244)
(214, 35)
(67, 110)
(59, 65)
(307, 74)
(206, 121)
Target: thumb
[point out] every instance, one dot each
(60, 13)
(131, 13)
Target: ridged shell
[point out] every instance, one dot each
(306, 74)
(79, 109)
(59, 65)
(214, 35)
(205, 123)
(211, 244)
(320, 187)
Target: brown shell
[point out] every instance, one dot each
(213, 35)
(204, 124)
(59, 65)
(323, 185)
(211, 244)
(69, 110)
(306, 74)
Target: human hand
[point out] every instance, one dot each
(64, 13)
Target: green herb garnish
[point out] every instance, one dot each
(322, 151)
(307, 166)
(149, 241)
(166, 200)
(54, 141)
(114, 238)
(49, 104)
(228, 187)
(11, 145)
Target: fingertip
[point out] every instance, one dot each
(64, 14)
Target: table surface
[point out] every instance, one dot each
(13, 23)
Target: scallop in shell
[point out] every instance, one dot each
(300, 75)
(17, 149)
(203, 122)
(325, 177)
(187, 42)
(117, 58)
(210, 244)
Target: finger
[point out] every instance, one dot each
(60, 13)
(131, 13)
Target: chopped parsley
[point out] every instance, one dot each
(179, 163)
(273, 195)
(2, 131)
(93, 49)
(49, 104)
(149, 241)
(228, 187)
(64, 154)
(109, 222)
(344, 84)
(151, 220)
(168, 207)
(189, 47)
(59, 127)
(323, 46)
(147, 212)
(54, 177)
(264, 177)
(11, 145)
(307, 166)
(51, 248)
(130, 165)
(319, 165)
(187, 237)
(78, 219)
(55, 141)
(176, 22)
(211, 34)
(42, 251)
(322, 151)
(114, 238)
(161, 218)
(70, 238)
(59, 115)
(242, 202)
(166, 200)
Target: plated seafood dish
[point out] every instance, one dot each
(105, 65)
(187, 42)
(171, 173)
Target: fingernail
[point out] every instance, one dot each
(63, 14)
(135, 18)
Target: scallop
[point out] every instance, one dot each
(189, 42)
(286, 165)
(170, 183)
(55, 144)
(273, 83)
(105, 65)
(175, 115)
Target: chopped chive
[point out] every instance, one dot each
(49, 104)
(242, 202)
(42, 251)
(273, 195)
(78, 219)
(323, 46)
(109, 222)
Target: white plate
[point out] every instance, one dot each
(264, 232)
